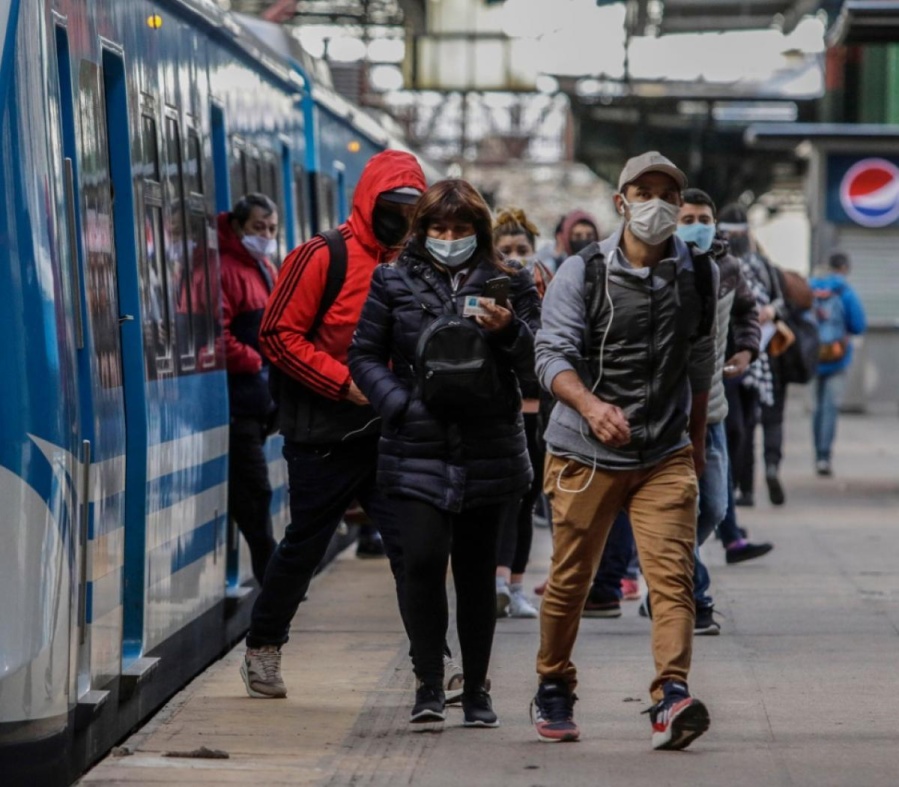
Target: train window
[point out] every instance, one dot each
(96, 213)
(268, 185)
(253, 173)
(203, 297)
(157, 320)
(177, 258)
(328, 202)
(150, 148)
(238, 170)
(301, 203)
(193, 164)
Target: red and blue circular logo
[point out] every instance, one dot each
(869, 192)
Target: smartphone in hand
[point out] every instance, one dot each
(498, 289)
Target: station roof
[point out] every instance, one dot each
(699, 16)
(866, 21)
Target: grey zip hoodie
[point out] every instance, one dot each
(653, 355)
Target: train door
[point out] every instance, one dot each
(117, 126)
(72, 260)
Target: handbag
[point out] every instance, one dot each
(782, 340)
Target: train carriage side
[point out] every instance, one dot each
(113, 444)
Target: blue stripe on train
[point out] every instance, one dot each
(169, 489)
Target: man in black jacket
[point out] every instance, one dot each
(628, 432)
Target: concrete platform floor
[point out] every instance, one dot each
(802, 684)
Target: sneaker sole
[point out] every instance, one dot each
(601, 613)
(486, 724)
(683, 729)
(257, 695)
(711, 631)
(565, 737)
(427, 717)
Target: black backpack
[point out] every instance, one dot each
(454, 366)
(280, 382)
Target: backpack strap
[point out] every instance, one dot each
(337, 266)
(594, 290)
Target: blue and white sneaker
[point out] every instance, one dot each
(677, 719)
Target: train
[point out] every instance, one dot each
(125, 127)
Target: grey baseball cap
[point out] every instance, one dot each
(652, 161)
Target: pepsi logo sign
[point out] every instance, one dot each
(869, 192)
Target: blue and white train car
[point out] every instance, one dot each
(124, 128)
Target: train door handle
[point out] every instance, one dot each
(123, 318)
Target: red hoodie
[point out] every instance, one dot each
(320, 365)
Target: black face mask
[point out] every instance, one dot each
(389, 226)
(738, 244)
(579, 244)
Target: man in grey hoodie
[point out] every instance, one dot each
(628, 349)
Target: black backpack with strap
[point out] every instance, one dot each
(595, 288)
(454, 366)
(279, 382)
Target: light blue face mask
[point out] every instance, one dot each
(452, 253)
(700, 234)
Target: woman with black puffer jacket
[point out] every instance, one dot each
(452, 454)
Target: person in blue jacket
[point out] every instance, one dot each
(840, 314)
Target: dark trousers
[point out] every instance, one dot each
(773, 424)
(322, 480)
(616, 557)
(249, 490)
(431, 539)
(516, 531)
(742, 418)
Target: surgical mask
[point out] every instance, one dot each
(389, 227)
(258, 246)
(579, 244)
(652, 221)
(452, 253)
(700, 234)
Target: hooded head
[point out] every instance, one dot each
(576, 229)
(386, 171)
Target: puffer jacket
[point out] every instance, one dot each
(654, 354)
(738, 312)
(479, 460)
(246, 285)
(315, 410)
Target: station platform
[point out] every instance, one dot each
(801, 684)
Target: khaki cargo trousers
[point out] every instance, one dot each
(661, 501)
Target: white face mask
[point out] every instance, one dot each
(452, 253)
(653, 221)
(258, 246)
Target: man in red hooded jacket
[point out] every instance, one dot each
(246, 240)
(331, 432)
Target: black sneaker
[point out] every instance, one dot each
(370, 546)
(678, 719)
(430, 705)
(478, 709)
(775, 489)
(610, 608)
(705, 624)
(747, 551)
(552, 713)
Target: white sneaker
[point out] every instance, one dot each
(261, 673)
(519, 605)
(503, 599)
(453, 679)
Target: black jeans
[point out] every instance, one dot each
(249, 490)
(322, 480)
(616, 557)
(516, 532)
(742, 418)
(773, 424)
(431, 538)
